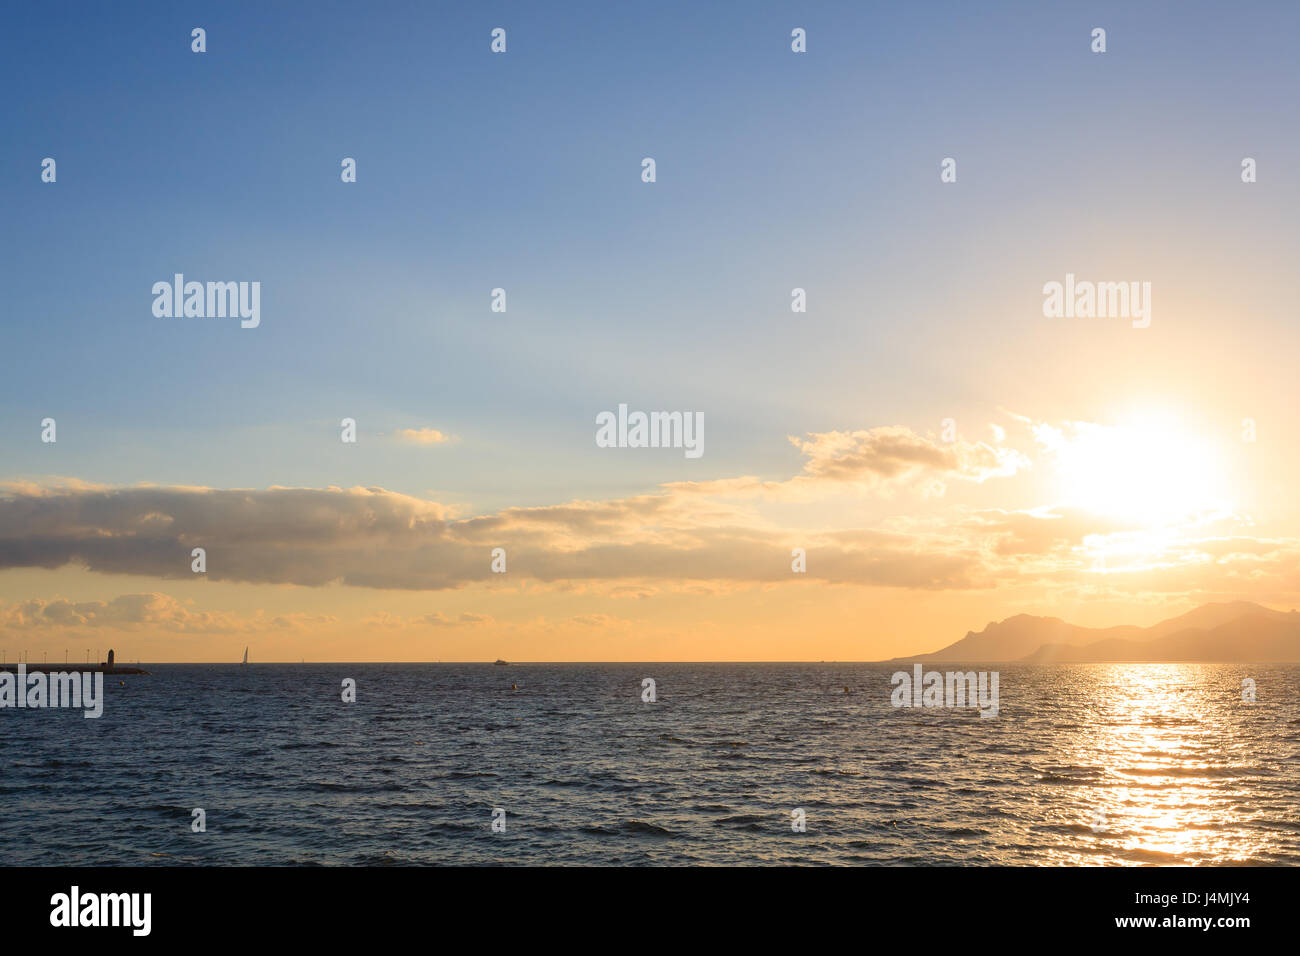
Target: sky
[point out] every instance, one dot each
(943, 453)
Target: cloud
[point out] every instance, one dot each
(710, 537)
(423, 436)
(688, 537)
(881, 454)
(1043, 530)
(876, 459)
(151, 610)
(593, 620)
(374, 538)
(435, 619)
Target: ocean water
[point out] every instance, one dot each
(1084, 765)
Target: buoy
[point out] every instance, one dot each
(846, 690)
(514, 686)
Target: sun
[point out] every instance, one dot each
(1149, 471)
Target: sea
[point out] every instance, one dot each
(729, 764)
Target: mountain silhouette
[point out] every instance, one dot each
(1236, 631)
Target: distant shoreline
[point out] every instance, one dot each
(893, 662)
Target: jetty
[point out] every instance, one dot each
(104, 667)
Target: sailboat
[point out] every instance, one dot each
(245, 660)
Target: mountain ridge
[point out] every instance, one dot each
(1231, 631)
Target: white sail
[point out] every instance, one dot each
(245, 661)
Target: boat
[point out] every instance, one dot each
(499, 662)
(245, 660)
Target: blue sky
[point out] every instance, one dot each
(522, 171)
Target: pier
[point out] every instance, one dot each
(105, 667)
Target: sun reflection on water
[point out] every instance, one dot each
(1173, 766)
